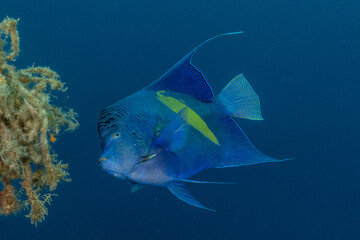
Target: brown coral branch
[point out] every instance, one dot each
(8, 201)
(38, 209)
(9, 27)
(27, 119)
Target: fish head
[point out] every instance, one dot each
(119, 156)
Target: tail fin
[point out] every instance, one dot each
(240, 100)
(239, 151)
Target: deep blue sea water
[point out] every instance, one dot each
(301, 57)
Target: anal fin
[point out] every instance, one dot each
(239, 151)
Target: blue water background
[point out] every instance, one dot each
(301, 57)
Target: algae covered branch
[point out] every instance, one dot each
(29, 123)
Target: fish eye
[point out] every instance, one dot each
(116, 135)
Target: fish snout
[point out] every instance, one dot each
(102, 159)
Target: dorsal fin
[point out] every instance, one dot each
(185, 78)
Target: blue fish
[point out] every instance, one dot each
(175, 128)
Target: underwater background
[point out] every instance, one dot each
(301, 57)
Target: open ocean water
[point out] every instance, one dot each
(301, 57)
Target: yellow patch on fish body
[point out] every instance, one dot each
(193, 118)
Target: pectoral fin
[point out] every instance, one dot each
(179, 190)
(174, 135)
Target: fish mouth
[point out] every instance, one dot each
(102, 159)
(111, 167)
(107, 166)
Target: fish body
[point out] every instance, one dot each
(168, 132)
(148, 118)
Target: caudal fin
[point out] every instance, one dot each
(239, 151)
(240, 100)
